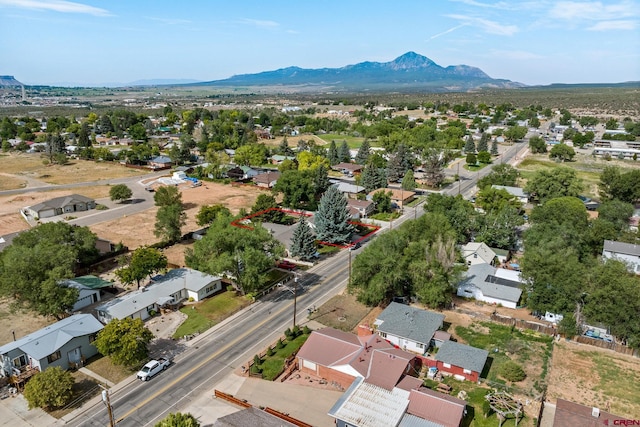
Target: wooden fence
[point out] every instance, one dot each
(229, 398)
(519, 323)
(618, 348)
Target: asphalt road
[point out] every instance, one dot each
(216, 354)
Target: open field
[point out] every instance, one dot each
(353, 142)
(587, 168)
(10, 218)
(205, 314)
(342, 312)
(10, 182)
(31, 166)
(21, 323)
(137, 230)
(593, 376)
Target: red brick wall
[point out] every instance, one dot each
(331, 375)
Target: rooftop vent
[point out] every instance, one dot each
(595, 412)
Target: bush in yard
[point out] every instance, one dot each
(256, 360)
(178, 420)
(270, 351)
(295, 332)
(513, 372)
(49, 389)
(280, 344)
(306, 330)
(288, 333)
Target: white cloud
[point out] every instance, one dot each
(487, 26)
(614, 25)
(56, 6)
(447, 31)
(593, 10)
(259, 23)
(169, 21)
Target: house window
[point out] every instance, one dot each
(420, 345)
(383, 334)
(446, 365)
(53, 356)
(92, 338)
(20, 361)
(467, 371)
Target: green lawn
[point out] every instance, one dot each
(385, 216)
(272, 366)
(475, 168)
(103, 366)
(353, 142)
(205, 314)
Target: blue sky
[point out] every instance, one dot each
(119, 41)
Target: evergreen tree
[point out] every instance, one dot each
(343, 153)
(494, 147)
(363, 153)
(373, 177)
(405, 157)
(303, 243)
(333, 153)
(469, 145)
(83, 135)
(321, 179)
(284, 148)
(332, 217)
(394, 168)
(409, 181)
(483, 144)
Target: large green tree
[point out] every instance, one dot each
(52, 388)
(243, 254)
(562, 152)
(303, 243)
(409, 181)
(460, 213)
(268, 205)
(502, 174)
(332, 155)
(332, 218)
(616, 212)
(167, 195)
(145, 261)
(555, 182)
(178, 420)
(33, 267)
(125, 341)
(169, 222)
(209, 213)
(618, 184)
(120, 192)
(537, 144)
(363, 152)
(344, 154)
(297, 188)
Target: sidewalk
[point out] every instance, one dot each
(92, 374)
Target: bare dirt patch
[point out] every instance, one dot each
(9, 182)
(597, 377)
(20, 323)
(342, 312)
(137, 230)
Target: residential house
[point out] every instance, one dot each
(89, 288)
(517, 192)
(172, 288)
(348, 168)
(160, 162)
(572, 414)
(409, 328)
(368, 405)
(341, 357)
(277, 159)
(67, 343)
(616, 149)
(60, 205)
(483, 282)
(478, 253)
(242, 173)
(399, 198)
(252, 416)
(625, 252)
(462, 361)
(363, 207)
(266, 179)
(348, 189)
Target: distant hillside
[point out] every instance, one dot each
(407, 72)
(162, 82)
(9, 81)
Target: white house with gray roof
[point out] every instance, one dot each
(409, 328)
(67, 343)
(175, 286)
(625, 252)
(485, 283)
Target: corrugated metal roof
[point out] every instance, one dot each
(409, 420)
(367, 405)
(409, 322)
(91, 282)
(462, 355)
(621, 248)
(49, 339)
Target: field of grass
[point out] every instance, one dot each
(354, 142)
(11, 183)
(205, 314)
(103, 366)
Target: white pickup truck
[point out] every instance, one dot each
(153, 367)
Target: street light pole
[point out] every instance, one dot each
(295, 295)
(349, 269)
(107, 401)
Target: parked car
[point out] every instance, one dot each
(286, 265)
(152, 368)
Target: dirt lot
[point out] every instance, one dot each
(137, 230)
(595, 377)
(20, 323)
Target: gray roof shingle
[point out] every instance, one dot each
(621, 247)
(462, 355)
(409, 322)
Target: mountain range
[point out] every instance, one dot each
(9, 81)
(410, 71)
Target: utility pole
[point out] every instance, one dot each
(459, 182)
(107, 401)
(295, 295)
(349, 286)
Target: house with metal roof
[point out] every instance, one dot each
(409, 328)
(67, 343)
(517, 192)
(625, 252)
(367, 405)
(460, 360)
(486, 283)
(478, 253)
(175, 286)
(60, 205)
